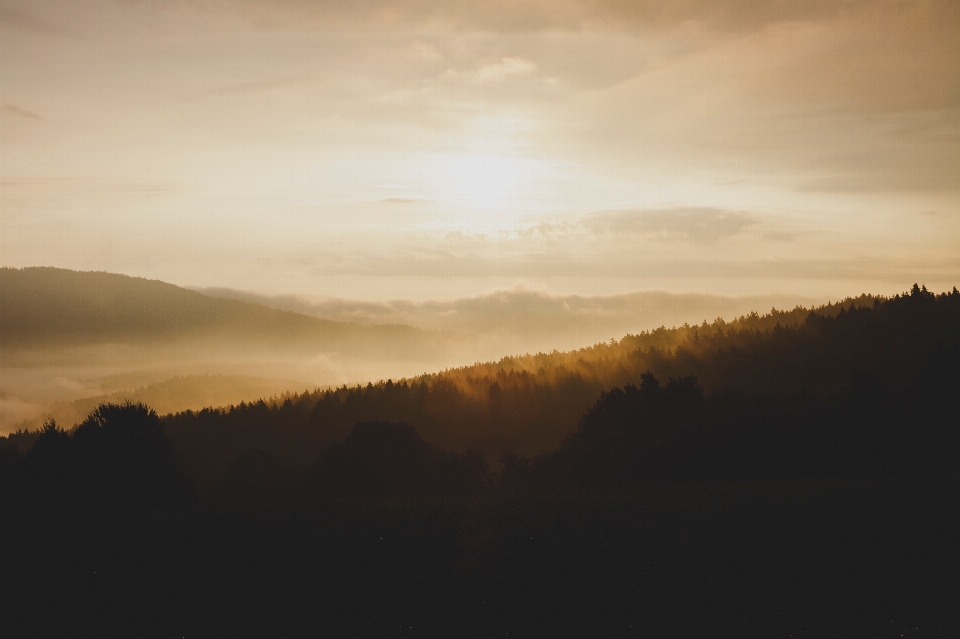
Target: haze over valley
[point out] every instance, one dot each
(68, 335)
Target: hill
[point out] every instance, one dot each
(43, 308)
(806, 487)
(529, 405)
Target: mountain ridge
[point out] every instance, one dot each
(44, 306)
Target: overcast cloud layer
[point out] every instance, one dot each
(434, 150)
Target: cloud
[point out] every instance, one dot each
(13, 111)
(677, 267)
(426, 52)
(23, 21)
(513, 16)
(249, 88)
(933, 176)
(507, 67)
(406, 200)
(782, 236)
(689, 224)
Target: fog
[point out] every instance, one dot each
(43, 382)
(521, 320)
(67, 335)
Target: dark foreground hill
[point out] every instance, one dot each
(102, 536)
(807, 487)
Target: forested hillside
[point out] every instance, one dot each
(529, 405)
(789, 474)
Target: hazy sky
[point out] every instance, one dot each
(436, 149)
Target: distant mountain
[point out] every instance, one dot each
(51, 307)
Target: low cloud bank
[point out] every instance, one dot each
(526, 320)
(691, 224)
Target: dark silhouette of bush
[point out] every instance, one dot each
(380, 459)
(125, 458)
(118, 457)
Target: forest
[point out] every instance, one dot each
(786, 473)
(790, 370)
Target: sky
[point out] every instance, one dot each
(437, 149)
